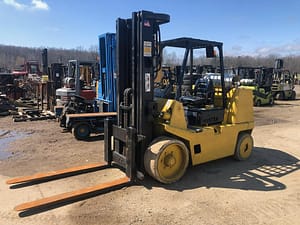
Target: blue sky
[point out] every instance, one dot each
(256, 27)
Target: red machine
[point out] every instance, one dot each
(30, 70)
(80, 81)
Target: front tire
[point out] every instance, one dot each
(244, 147)
(293, 96)
(271, 101)
(81, 131)
(166, 160)
(281, 96)
(258, 103)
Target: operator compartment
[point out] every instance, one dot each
(197, 83)
(202, 108)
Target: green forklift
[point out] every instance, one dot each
(259, 80)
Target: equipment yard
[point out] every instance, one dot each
(262, 190)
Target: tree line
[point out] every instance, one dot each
(12, 56)
(290, 62)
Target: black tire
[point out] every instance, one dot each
(81, 131)
(271, 102)
(254, 101)
(281, 96)
(258, 102)
(244, 147)
(293, 96)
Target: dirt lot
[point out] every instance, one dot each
(263, 190)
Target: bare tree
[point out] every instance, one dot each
(12, 56)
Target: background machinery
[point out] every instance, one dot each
(56, 74)
(161, 136)
(26, 78)
(80, 81)
(34, 84)
(78, 93)
(259, 80)
(82, 117)
(29, 70)
(106, 93)
(283, 82)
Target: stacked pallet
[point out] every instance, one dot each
(33, 115)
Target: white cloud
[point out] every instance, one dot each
(292, 48)
(39, 4)
(35, 5)
(264, 50)
(14, 4)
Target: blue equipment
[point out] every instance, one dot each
(107, 65)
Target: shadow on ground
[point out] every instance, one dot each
(259, 173)
(287, 103)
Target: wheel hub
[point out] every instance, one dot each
(81, 130)
(169, 160)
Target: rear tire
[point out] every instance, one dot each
(258, 103)
(166, 160)
(281, 96)
(244, 147)
(271, 101)
(293, 96)
(81, 131)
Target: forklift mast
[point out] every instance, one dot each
(136, 76)
(138, 61)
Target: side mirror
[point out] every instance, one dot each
(210, 52)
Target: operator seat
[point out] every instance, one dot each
(203, 94)
(204, 88)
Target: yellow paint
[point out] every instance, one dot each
(86, 74)
(240, 106)
(170, 162)
(173, 113)
(97, 92)
(245, 147)
(159, 76)
(218, 97)
(215, 141)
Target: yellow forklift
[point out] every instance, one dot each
(162, 136)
